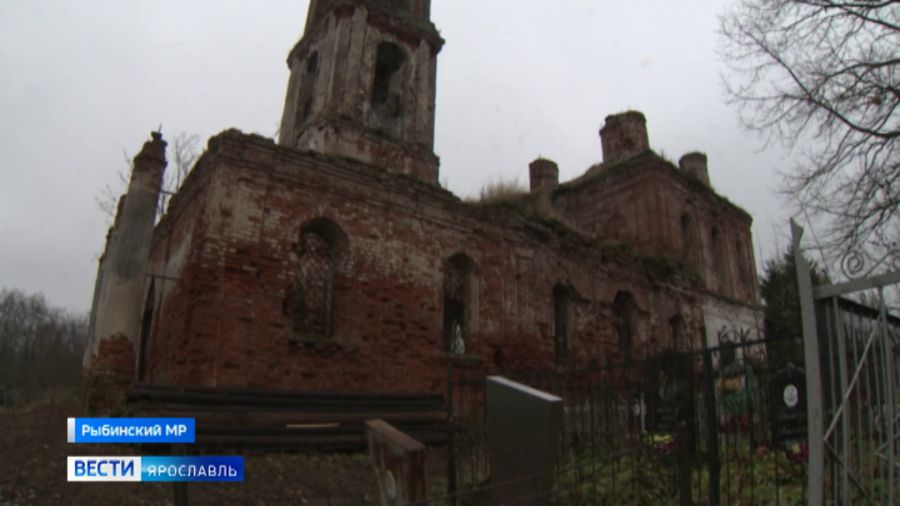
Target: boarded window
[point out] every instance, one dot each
(561, 322)
(625, 312)
(310, 304)
(386, 86)
(458, 294)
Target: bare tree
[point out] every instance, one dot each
(821, 76)
(184, 153)
(184, 149)
(40, 346)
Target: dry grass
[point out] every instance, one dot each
(502, 189)
(535, 206)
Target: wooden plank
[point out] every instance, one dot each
(306, 404)
(275, 397)
(269, 418)
(291, 421)
(399, 463)
(348, 442)
(277, 393)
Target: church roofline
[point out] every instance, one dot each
(506, 216)
(646, 161)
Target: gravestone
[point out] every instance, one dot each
(788, 397)
(668, 379)
(399, 463)
(524, 430)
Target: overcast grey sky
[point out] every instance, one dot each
(81, 81)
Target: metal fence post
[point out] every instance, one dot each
(712, 426)
(816, 463)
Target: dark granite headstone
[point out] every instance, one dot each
(669, 396)
(788, 404)
(399, 463)
(524, 431)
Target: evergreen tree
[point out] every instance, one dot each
(782, 308)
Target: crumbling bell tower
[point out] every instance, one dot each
(362, 84)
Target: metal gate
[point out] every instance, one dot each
(853, 381)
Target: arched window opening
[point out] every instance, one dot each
(386, 87)
(625, 311)
(310, 304)
(146, 327)
(561, 322)
(458, 287)
(679, 340)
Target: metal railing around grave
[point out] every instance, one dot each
(603, 458)
(751, 442)
(669, 432)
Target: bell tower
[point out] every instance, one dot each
(362, 84)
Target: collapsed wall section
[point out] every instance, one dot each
(109, 359)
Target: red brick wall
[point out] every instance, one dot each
(230, 248)
(640, 203)
(112, 370)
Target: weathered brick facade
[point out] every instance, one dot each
(333, 260)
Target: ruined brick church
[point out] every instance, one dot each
(333, 260)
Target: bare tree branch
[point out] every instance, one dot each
(823, 77)
(184, 149)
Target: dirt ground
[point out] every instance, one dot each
(33, 453)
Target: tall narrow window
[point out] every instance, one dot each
(561, 322)
(458, 293)
(625, 311)
(310, 304)
(386, 86)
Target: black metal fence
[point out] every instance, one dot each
(704, 427)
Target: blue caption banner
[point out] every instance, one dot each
(131, 430)
(192, 468)
(155, 469)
